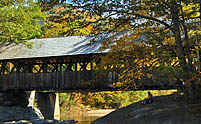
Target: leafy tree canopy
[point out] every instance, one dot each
(163, 37)
(19, 20)
(62, 21)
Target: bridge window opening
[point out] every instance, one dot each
(95, 66)
(78, 67)
(52, 68)
(56, 67)
(64, 67)
(69, 67)
(59, 67)
(13, 68)
(73, 68)
(37, 69)
(84, 66)
(5, 68)
(52, 60)
(89, 66)
(21, 69)
(10, 66)
(50, 65)
(81, 66)
(39, 61)
(49, 68)
(27, 69)
(2, 69)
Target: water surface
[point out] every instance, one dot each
(87, 117)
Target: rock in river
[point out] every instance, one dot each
(15, 113)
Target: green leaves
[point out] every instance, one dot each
(64, 21)
(20, 21)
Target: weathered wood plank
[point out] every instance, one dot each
(62, 81)
(68, 80)
(70, 73)
(43, 81)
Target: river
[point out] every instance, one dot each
(87, 117)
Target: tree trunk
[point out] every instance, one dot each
(174, 9)
(185, 62)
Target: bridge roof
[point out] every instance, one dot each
(50, 47)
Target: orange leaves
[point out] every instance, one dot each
(58, 10)
(194, 77)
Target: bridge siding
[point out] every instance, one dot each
(43, 81)
(67, 80)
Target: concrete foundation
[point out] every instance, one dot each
(48, 103)
(31, 99)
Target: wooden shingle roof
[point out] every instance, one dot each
(47, 47)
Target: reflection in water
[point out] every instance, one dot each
(82, 119)
(86, 118)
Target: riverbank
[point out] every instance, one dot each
(163, 110)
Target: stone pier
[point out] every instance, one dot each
(48, 103)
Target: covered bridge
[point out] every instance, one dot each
(62, 63)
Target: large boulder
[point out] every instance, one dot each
(14, 98)
(19, 113)
(163, 110)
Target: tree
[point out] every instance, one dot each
(20, 20)
(61, 21)
(162, 37)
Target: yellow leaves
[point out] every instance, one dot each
(145, 6)
(144, 12)
(196, 32)
(52, 29)
(191, 10)
(162, 92)
(148, 28)
(170, 41)
(55, 29)
(36, 69)
(118, 84)
(65, 21)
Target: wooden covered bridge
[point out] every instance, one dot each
(64, 63)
